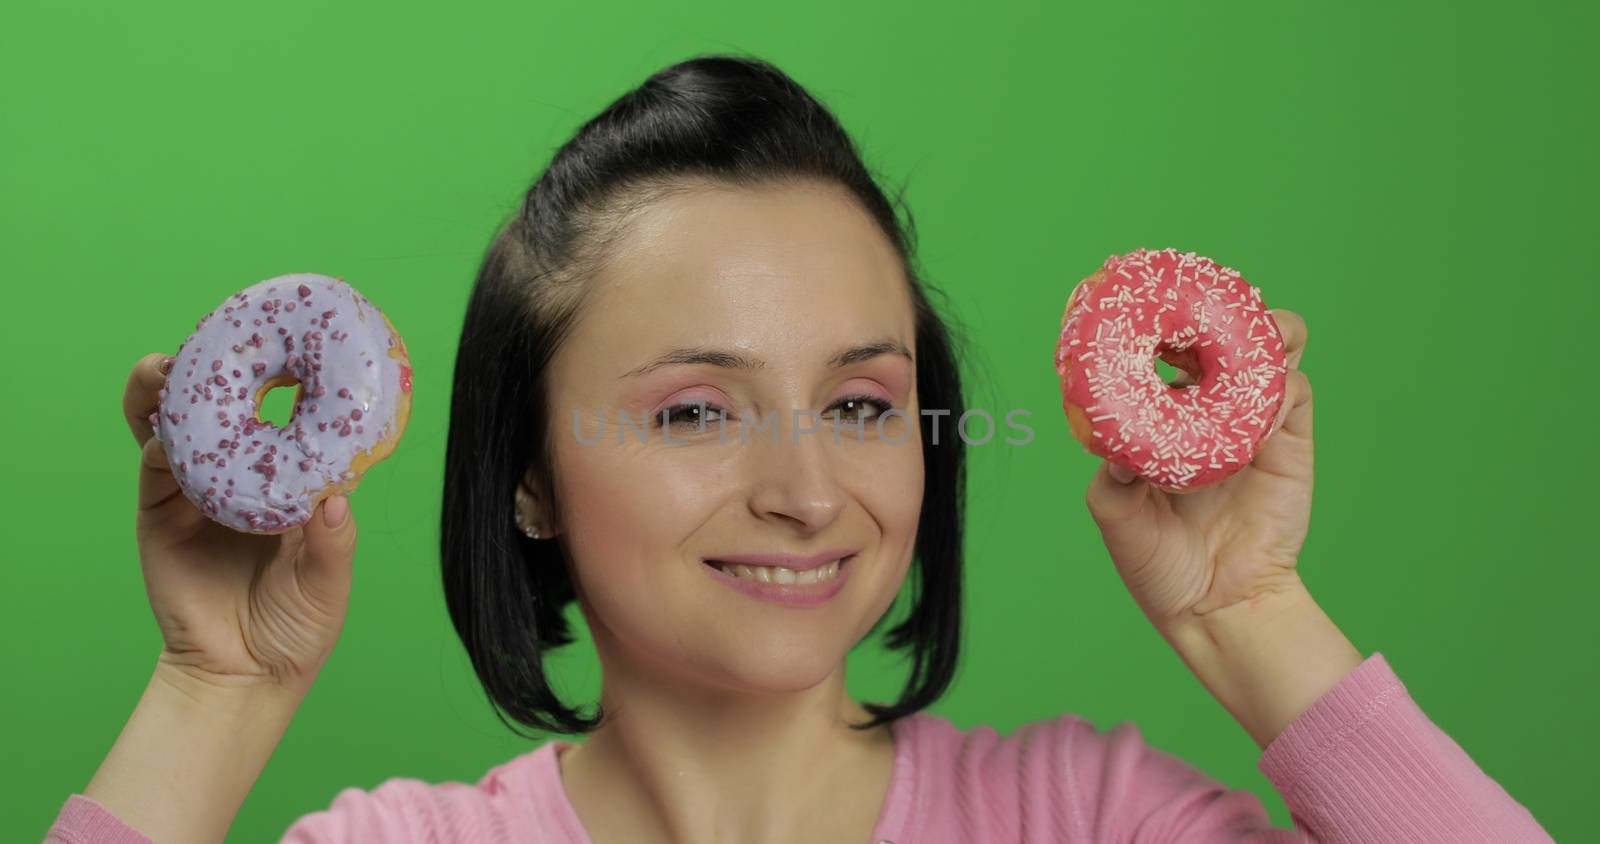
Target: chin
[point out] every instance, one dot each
(756, 669)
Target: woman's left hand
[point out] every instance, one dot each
(1235, 543)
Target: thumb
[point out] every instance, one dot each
(330, 546)
(1120, 510)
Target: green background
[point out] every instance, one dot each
(1416, 179)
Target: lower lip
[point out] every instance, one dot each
(788, 594)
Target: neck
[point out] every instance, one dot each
(684, 760)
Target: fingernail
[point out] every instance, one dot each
(166, 365)
(1120, 473)
(334, 510)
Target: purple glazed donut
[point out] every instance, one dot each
(351, 405)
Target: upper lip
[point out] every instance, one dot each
(788, 561)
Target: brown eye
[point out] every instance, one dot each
(863, 408)
(692, 415)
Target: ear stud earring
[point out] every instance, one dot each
(531, 531)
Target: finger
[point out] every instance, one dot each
(1126, 517)
(330, 547)
(1293, 328)
(1116, 504)
(142, 394)
(157, 486)
(1294, 415)
(1121, 474)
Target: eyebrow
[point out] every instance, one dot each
(736, 360)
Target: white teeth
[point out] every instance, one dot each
(779, 574)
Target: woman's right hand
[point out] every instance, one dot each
(235, 609)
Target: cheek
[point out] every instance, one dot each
(889, 481)
(626, 512)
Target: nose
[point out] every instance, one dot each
(795, 477)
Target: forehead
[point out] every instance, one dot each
(785, 272)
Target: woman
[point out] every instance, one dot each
(711, 257)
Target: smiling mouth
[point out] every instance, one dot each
(783, 576)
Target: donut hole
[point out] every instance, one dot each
(1177, 369)
(275, 403)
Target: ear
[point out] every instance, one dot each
(532, 505)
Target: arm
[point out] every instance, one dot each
(1345, 744)
(1361, 764)
(1266, 661)
(246, 621)
(1215, 570)
(182, 765)
(191, 753)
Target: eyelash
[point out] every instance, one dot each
(878, 404)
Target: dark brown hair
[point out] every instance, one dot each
(719, 119)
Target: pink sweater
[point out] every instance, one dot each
(1363, 764)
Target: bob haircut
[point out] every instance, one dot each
(709, 120)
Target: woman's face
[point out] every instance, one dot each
(786, 278)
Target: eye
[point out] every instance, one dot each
(859, 405)
(689, 414)
(853, 410)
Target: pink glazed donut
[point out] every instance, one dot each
(351, 405)
(1195, 315)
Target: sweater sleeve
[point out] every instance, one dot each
(1121, 788)
(405, 810)
(82, 820)
(401, 810)
(396, 812)
(1362, 764)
